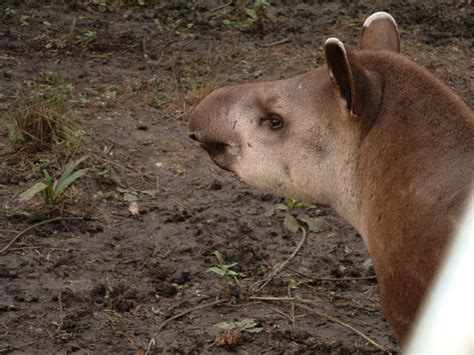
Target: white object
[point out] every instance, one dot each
(446, 325)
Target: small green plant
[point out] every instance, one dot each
(111, 94)
(90, 34)
(101, 4)
(71, 32)
(41, 164)
(245, 325)
(292, 219)
(242, 17)
(258, 12)
(224, 270)
(53, 190)
(24, 20)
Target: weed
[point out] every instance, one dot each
(245, 325)
(41, 164)
(242, 17)
(292, 219)
(24, 20)
(160, 96)
(224, 270)
(90, 34)
(38, 114)
(53, 190)
(111, 94)
(37, 117)
(79, 133)
(71, 32)
(101, 4)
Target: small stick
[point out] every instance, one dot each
(302, 303)
(258, 286)
(334, 278)
(276, 43)
(23, 232)
(277, 311)
(190, 310)
(344, 278)
(145, 56)
(220, 7)
(292, 310)
(348, 326)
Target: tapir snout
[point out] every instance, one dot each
(210, 125)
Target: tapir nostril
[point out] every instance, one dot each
(194, 136)
(215, 147)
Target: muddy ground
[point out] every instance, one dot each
(102, 280)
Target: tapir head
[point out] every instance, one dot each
(289, 136)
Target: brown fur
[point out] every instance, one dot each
(382, 141)
(416, 171)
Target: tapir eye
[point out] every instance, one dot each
(274, 121)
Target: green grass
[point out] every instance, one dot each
(53, 190)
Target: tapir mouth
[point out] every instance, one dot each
(221, 154)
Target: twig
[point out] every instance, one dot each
(334, 278)
(23, 232)
(348, 326)
(220, 7)
(145, 56)
(344, 278)
(152, 341)
(303, 303)
(292, 311)
(277, 311)
(276, 43)
(190, 310)
(259, 285)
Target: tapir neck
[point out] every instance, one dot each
(409, 162)
(415, 173)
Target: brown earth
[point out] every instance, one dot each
(105, 283)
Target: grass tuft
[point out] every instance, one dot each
(38, 116)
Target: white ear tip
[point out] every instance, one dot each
(335, 41)
(381, 15)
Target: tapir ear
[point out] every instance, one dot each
(361, 89)
(341, 64)
(380, 32)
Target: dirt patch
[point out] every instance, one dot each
(107, 282)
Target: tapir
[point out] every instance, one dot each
(371, 134)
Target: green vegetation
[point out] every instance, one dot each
(53, 190)
(222, 269)
(40, 115)
(245, 325)
(293, 219)
(103, 4)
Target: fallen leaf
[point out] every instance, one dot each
(245, 325)
(315, 224)
(291, 223)
(274, 208)
(228, 339)
(134, 208)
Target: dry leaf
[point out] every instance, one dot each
(227, 339)
(134, 208)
